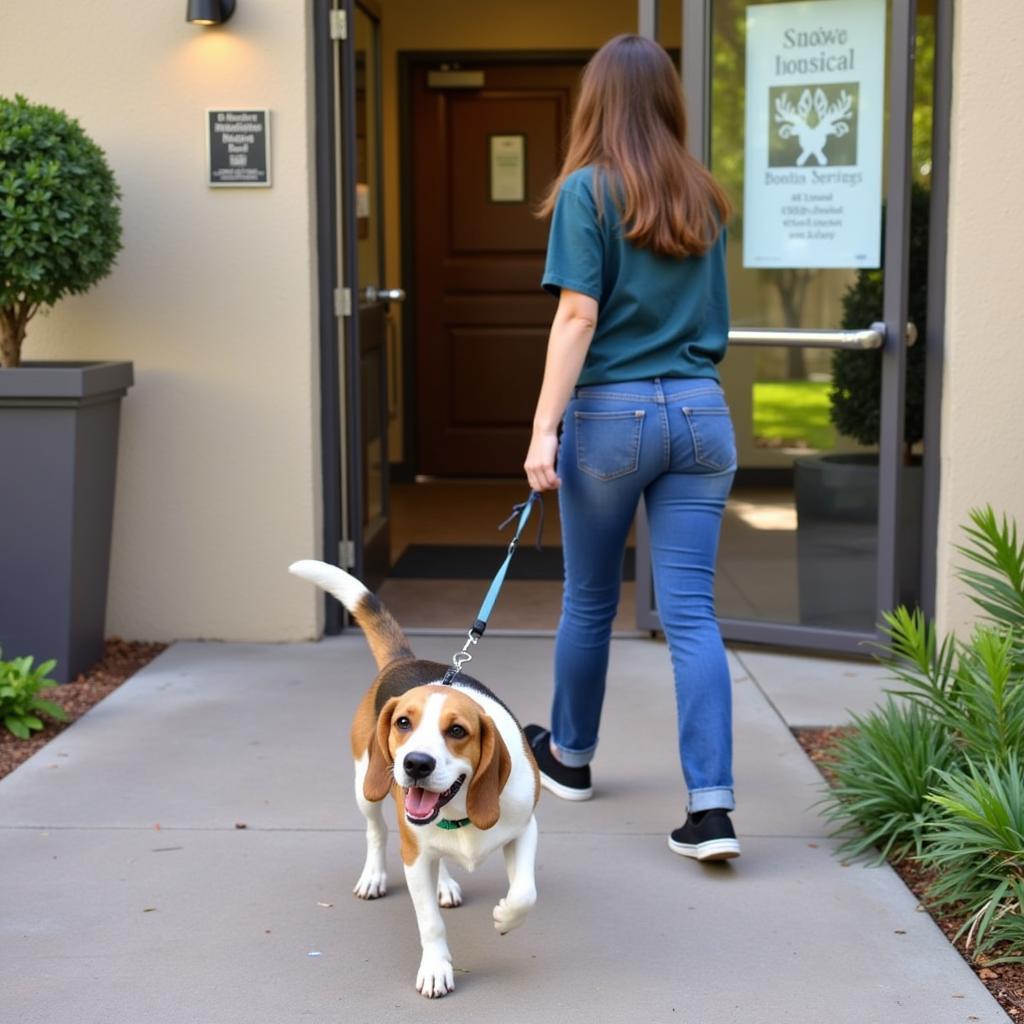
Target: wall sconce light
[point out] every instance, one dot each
(209, 12)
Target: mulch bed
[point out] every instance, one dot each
(1004, 981)
(121, 660)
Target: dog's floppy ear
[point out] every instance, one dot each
(490, 776)
(379, 778)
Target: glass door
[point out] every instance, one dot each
(805, 111)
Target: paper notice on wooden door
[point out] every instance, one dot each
(508, 168)
(815, 115)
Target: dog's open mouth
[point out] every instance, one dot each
(422, 806)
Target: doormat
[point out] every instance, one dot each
(481, 562)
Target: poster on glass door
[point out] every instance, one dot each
(815, 106)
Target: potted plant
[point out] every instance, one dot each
(837, 494)
(60, 232)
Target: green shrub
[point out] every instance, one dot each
(856, 393)
(883, 776)
(997, 586)
(939, 774)
(60, 225)
(978, 698)
(976, 689)
(978, 846)
(20, 703)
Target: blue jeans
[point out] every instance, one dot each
(670, 440)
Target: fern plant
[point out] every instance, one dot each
(916, 658)
(20, 703)
(997, 583)
(883, 775)
(973, 690)
(967, 700)
(939, 773)
(978, 845)
(976, 688)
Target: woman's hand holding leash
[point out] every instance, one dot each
(540, 461)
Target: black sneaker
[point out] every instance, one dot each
(706, 835)
(555, 777)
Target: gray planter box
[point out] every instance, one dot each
(837, 539)
(58, 459)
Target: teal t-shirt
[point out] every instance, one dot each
(657, 316)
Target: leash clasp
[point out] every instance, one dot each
(463, 657)
(460, 658)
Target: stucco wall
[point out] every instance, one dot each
(982, 420)
(212, 300)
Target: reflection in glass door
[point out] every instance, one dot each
(822, 529)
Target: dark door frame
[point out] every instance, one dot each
(942, 104)
(372, 550)
(327, 220)
(340, 466)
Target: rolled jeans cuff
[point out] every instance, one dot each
(574, 758)
(709, 799)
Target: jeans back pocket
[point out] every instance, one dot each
(608, 443)
(714, 443)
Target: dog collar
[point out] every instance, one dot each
(445, 823)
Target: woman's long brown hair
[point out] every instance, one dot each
(630, 125)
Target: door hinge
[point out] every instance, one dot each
(342, 301)
(346, 554)
(339, 25)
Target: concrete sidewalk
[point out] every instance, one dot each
(132, 898)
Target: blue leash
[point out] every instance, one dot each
(480, 625)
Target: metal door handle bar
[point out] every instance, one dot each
(373, 294)
(868, 338)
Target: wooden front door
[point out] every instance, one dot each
(482, 157)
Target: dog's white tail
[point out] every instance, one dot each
(385, 637)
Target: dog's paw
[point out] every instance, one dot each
(509, 914)
(434, 978)
(449, 893)
(371, 885)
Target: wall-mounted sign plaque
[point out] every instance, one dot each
(238, 148)
(815, 115)
(508, 169)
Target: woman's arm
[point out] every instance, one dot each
(571, 333)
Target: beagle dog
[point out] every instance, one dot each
(458, 765)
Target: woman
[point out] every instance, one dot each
(637, 259)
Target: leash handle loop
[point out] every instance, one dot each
(491, 597)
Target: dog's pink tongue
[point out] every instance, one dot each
(420, 802)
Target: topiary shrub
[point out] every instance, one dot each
(856, 394)
(60, 224)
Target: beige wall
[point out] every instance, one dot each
(982, 421)
(212, 300)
